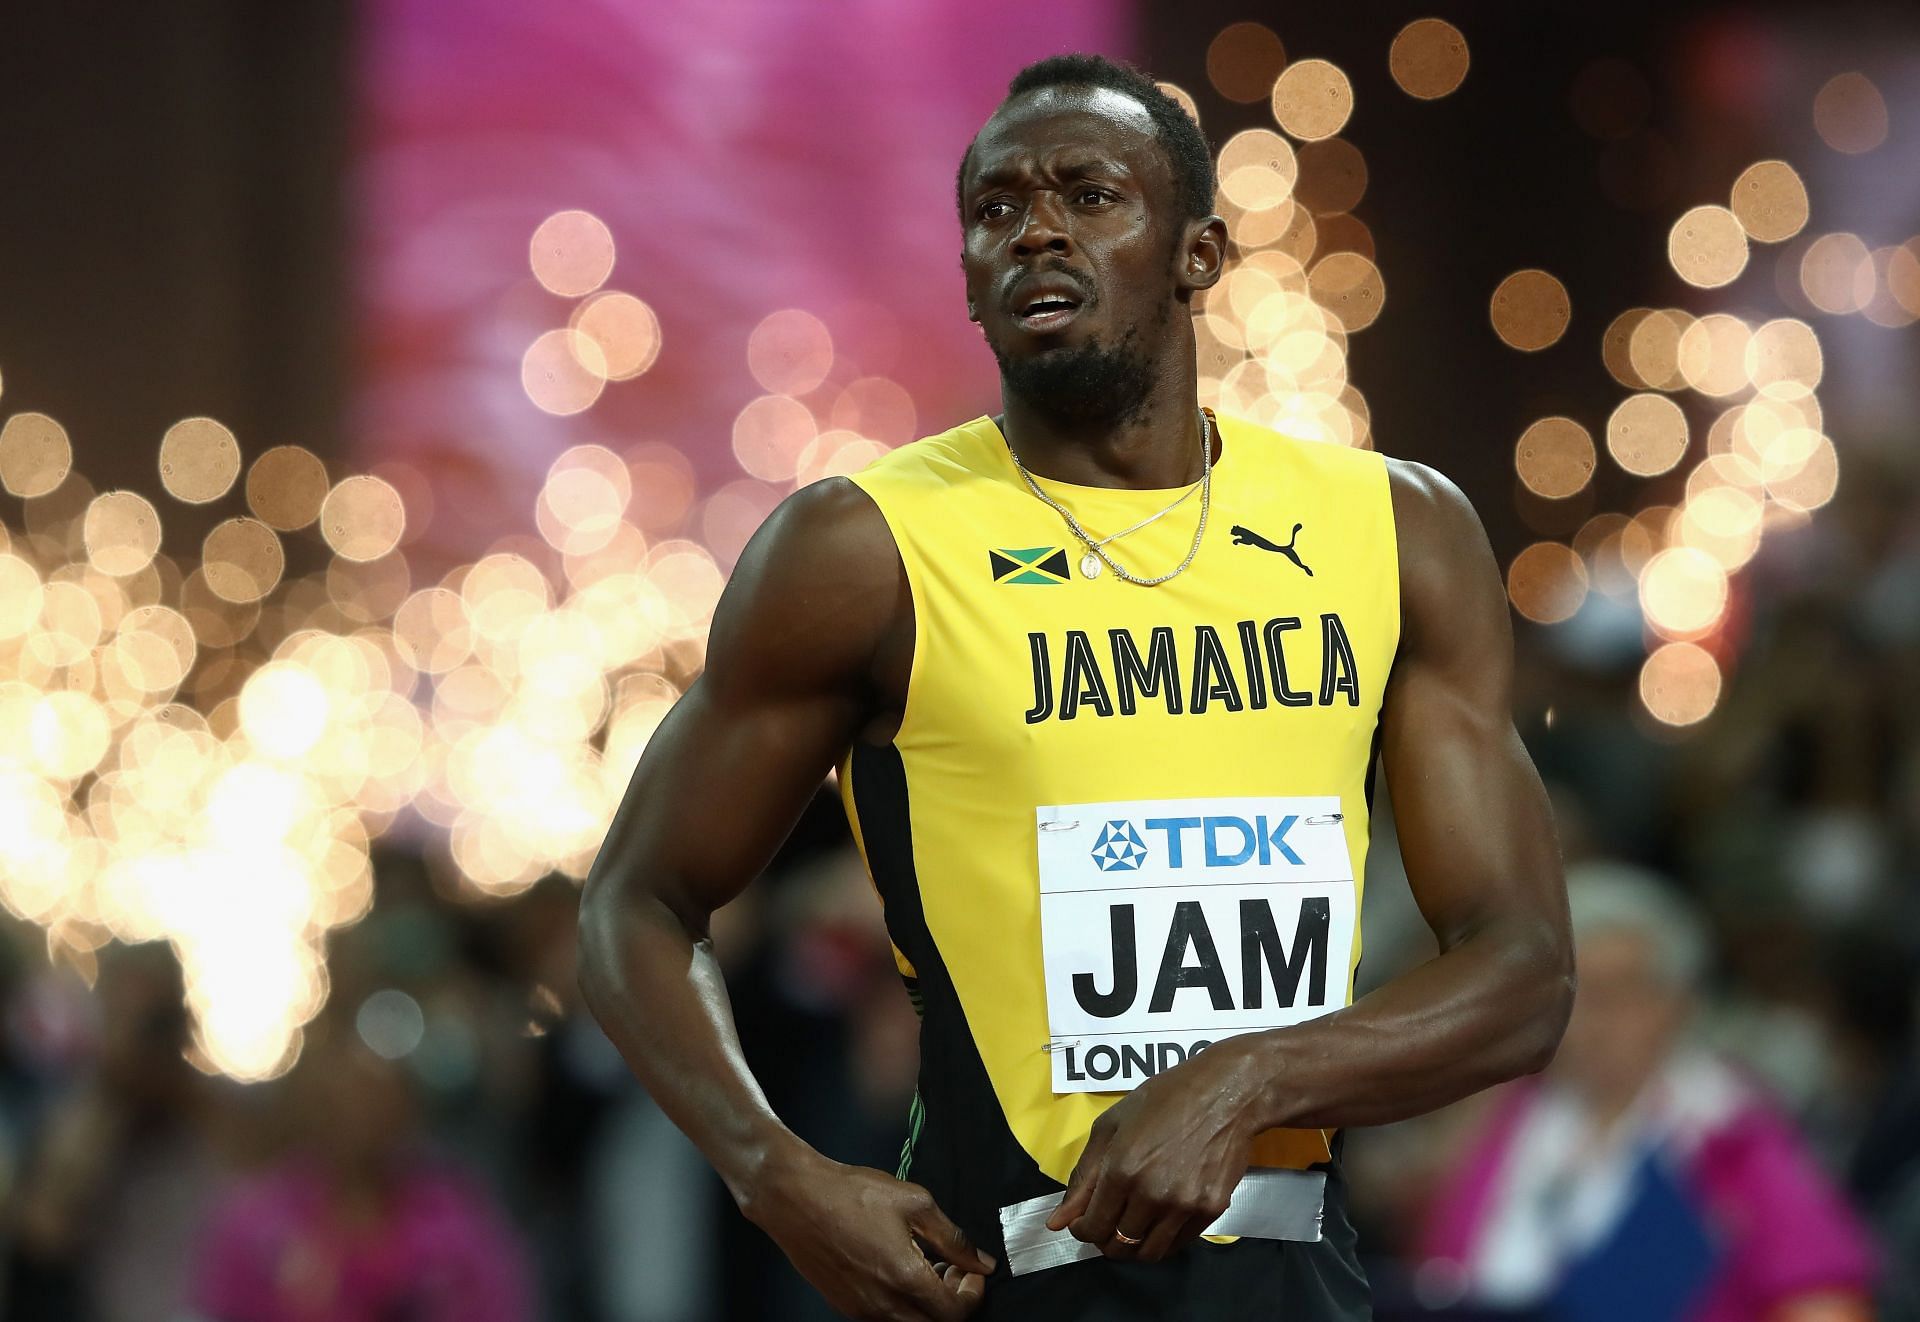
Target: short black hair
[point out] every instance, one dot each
(1180, 137)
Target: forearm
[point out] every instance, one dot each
(658, 993)
(1489, 1009)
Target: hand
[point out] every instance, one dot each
(856, 1235)
(1162, 1162)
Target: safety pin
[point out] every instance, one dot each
(1060, 1046)
(1324, 819)
(1058, 826)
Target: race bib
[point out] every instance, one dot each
(1167, 925)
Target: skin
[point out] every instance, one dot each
(810, 651)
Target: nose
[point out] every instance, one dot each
(1045, 227)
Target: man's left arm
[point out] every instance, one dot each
(1477, 836)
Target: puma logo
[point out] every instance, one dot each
(1248, 537)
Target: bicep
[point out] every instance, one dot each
(787, 686)
(720, 785)
(1473, 819)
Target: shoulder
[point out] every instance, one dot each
(825, 542)
(1452, 598)
(815, 595)
(1431, 512)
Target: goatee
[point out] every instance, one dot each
(1087, 383)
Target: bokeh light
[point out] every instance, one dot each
(1683, 592)
(1428, 59)
(1257, 169)
(564, 371)
(122, 532)
(1647, 434)
(1555, 458)
(1312, 99)
(35, 455)
(790, 352)
(1653, 348)
(1708, 247)
(243, 560)
(1884, 305)
(1712, 354)
(572, 253)
(199, 460)
(1243, 60)
(1530, 310)
(1849, 114)
(1547, 582)
(1783, 359)
(1903, 275)
(770, 434)
(362, 518)
(1680, 684)
(1836, 273)
(286, 486)
(1770, 201)
(622, 329)
(1333, 176)
(1351, 287)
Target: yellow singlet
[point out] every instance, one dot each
(1120, 822)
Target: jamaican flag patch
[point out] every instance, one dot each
(1034, 564)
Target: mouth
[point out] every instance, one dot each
(1046, 305)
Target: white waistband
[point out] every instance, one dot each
(1268, 1203)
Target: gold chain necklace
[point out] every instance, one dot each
(1096, 550)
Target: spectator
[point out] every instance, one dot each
(120, 1175)
(1642, 1176)
(360, 1225)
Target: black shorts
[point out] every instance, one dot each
(1268, 1280)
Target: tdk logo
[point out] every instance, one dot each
(1214, 842)
(1119, 848)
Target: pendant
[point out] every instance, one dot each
(1090, 565)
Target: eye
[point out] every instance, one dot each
(1092, 196)
(986, 210)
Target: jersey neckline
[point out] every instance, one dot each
(1122, 496)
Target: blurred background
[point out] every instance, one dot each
(387, 390)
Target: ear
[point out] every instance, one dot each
(973, 313)
(1204, 257)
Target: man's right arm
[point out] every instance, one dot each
(794, 672)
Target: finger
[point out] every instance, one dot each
(1173, 1234)
(1080, 1184)
(938, 1296)
(920, 1295)
(1138, 1212)
(947, 1240)
(970, 1290)
(1096, 1225)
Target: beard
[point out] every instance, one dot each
(1095, 383)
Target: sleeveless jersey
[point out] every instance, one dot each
(1119, 822)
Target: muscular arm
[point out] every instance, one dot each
(795, 668)
(1477, 836)
(1479, 847)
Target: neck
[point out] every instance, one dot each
(1156, 446)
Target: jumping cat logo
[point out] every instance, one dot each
(1248, 537)
(1033, 564)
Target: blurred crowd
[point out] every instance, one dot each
(1732, 1127)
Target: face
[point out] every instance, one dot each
(1075, 251)
(1625, 1018)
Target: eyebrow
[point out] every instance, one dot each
(1073, 167)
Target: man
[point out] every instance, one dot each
(1109, 762)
